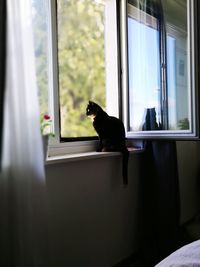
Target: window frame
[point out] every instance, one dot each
(193, 74)
(57, 144)
(117, 80)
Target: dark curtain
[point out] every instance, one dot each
(2, 66)
(159, 185)
(160, 198)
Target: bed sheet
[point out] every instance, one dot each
(186, 256)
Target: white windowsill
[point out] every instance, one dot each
(87, 156)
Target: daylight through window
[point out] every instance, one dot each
(135, 58)
(159, 81)
(81, 63)
(40, 15)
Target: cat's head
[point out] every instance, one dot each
(92, 109)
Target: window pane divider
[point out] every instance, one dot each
(53, 74)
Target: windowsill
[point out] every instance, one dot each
(87, 156)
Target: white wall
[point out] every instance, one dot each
(92, 217)
(94, 220)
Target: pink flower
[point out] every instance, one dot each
(46, 117)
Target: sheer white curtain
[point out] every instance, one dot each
(22, 181)
(144, 60)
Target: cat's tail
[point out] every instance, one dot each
(125, 157)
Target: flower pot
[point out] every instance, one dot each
(45, 139)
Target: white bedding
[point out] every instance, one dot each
(186, 256)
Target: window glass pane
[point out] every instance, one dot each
(81, 64)
(40, 27)
(144, 69)
(159, 76)
(171, 81)
(177, 64)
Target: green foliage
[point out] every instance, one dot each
(41, 48)
(80, 26)
(81, 63)
(184, 124)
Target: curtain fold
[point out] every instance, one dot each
(160, 201)
(159, 192)
(22, 180)
(2, 66)
(161, 197)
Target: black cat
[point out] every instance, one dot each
(111, 134)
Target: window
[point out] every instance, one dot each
(78, 51)
(144, 66)
(81, 63)
(136, 60)
(159, 66)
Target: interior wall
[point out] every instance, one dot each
(188, 154)
(93, 220)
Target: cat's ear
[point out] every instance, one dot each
(90, 102)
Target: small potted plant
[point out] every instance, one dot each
(45, 127)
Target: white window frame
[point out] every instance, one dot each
(193, 78)
(112, 80)
(116, 78)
